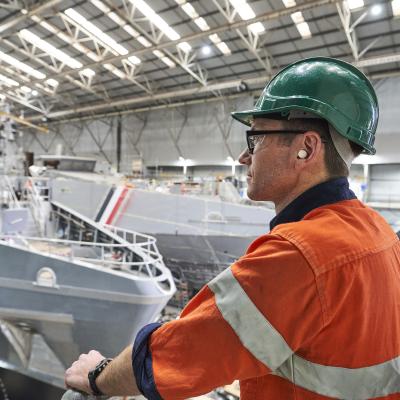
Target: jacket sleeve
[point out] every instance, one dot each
(243, 324)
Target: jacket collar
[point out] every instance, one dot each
(320, 195)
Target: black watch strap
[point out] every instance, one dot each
(94, 373)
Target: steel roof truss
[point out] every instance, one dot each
(350, 32)
(11, 4)
(345, 17)
(27, 103)
(102, 49)
(198, 72)
(72, 37)
(135, 142)
(250, 39)
(57, 67)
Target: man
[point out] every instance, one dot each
(312, 310)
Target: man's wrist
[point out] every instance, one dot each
(94, 374)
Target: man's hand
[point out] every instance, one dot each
(76, 376)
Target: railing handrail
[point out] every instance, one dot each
(155, 260)
(150, 239)
(79, 242)
(10, 190)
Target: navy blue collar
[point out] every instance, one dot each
(320, 195)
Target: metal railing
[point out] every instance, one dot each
(146, 242)
(8, 195)
(114, 256)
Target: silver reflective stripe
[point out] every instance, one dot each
(268, 346)
(253, 329)
(344, 383)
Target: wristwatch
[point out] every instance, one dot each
(94, 373)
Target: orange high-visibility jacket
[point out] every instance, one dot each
(311, 311)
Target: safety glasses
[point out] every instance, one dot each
(255, 137)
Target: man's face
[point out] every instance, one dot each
(268, 175)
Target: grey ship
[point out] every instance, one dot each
(69, 284)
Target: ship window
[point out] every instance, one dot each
(46, 277)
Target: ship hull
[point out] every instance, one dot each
(88, 307)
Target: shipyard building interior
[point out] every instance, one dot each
(123, 192)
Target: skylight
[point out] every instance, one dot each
(396, 7)
(289, 3)
(354, 4)
(243, 9)
(201, 23)
(52, 82)
(164, 58)
(185, 46)
(301, 25)
(8, 81)
(21, 66)
(222, 46)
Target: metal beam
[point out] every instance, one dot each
(50, 68)
(185, 61)
(24, 122)
(119, 140)
(234, 25)
(390, 58)
(159, 96)
(13, 20)
(251, 40)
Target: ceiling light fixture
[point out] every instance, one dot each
(376, 9)
(206, 50)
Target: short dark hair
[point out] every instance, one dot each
(335, 165)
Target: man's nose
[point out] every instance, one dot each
(245, 157)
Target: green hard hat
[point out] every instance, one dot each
(329, 88)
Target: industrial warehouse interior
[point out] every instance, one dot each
(135, 184)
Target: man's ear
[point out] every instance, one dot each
(311, 144)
